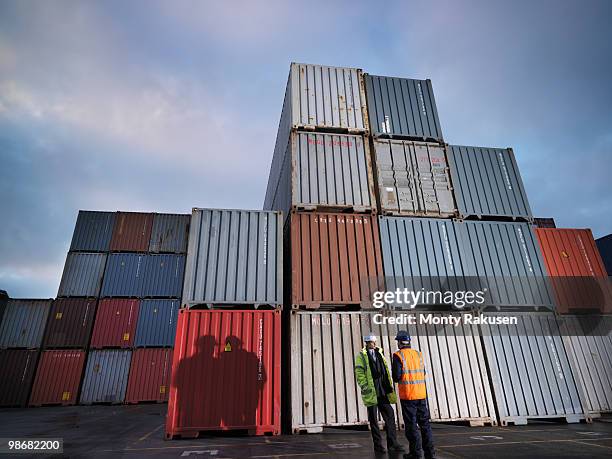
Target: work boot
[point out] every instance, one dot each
(396, 448)
(379, 449)
(412, 456)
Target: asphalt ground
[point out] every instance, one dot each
(136, 431)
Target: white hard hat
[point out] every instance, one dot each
(369, 337)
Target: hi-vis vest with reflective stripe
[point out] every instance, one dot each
(412, 383)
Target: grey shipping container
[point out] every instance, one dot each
(106, 376)
(422, 253)
(24, 323)
(3, 300)
(163, 276)
(487, 183)
(234, 257)
(402, 108)
(323, 390)
(413, 179)
(322, 98)
(530, 370)
(505, 259)
(156, 323)
(501, 259)
(124, 275)
(324, 171)
(82, 274)
(93, 231)
(169, 233)
(588, 340)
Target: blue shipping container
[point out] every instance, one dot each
(124, 275)
(156, 323)
(93, 231)
(133, 275)
(163, 276)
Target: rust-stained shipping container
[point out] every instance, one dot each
(578, 275)
(70, 323)
(149, 378)
(58, 378)
(335, 259)
(17, 369)
(132, 232)
(115, 324)
(413, 179)
(225, 373)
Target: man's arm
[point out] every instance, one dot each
(360, 372)
(396, 368)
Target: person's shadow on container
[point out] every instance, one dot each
(243, 376)
(195, 376)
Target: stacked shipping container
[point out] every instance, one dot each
(229, 331)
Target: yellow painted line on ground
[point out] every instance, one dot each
(144, 437)
(525, 442)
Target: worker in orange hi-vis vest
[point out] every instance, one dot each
(409, 373)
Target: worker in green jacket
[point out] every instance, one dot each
(374, 380)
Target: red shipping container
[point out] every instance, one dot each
(577, 272)
(335, 259)
(225, 373)
(149, 379)
(58, 378)
(115, 324)
(132, 232)
(17, 369)
(70, 323)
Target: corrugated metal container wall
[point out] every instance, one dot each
(422, 253)
(82, 274)
(325, 171)
(505, 259)
(163, 276)
(156, 323)
(588, 340)
(402, 107)
(58, 378)
(321, 98)
(132, 232)
(335, 259)
(487, 183)
(24, 323)
(169, 233)
(124, 275)
(578, 275)
(93, 231)
(3, 300)
(235, 257)
(604, 245)
(106, 376)
(530, 371)
(115, 324)
(149, 379)
(323, 387)
(544, 222)
(17, 369)
(413, 179)
(235, 356)
(70, 323)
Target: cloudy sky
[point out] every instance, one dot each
(163, 106)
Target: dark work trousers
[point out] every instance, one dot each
(389, 417)
(416, 414)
